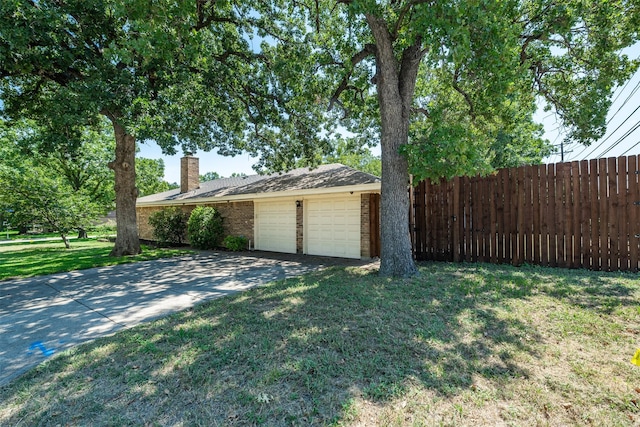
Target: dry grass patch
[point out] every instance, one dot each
(460, 345)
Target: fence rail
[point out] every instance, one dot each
(577, 215)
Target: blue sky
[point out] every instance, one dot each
(623, 128)
(209, 162)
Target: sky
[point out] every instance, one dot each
(622, 137)
(209, 162)
(623, 123)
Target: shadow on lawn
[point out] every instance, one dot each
(300, 351)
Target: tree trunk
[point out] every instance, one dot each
(127, 241)
(65, 241)
(395, 95)
(82, 233)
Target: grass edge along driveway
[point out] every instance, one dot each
(37, 258)
(459, 345)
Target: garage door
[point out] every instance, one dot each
(275, 226)
(333, 227)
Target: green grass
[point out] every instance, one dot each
(459, 345)
(36, 258)
(14, 235)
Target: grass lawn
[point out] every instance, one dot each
(14, 235)
(460, 345)
(46, 257)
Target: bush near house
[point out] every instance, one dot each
(235, 243)
(169, 225)
(204, 228)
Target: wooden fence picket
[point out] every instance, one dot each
(579, 215)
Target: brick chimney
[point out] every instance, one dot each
(189, 173)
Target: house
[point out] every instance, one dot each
(332, 210)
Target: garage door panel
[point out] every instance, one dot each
(333, 227)
(276, 226)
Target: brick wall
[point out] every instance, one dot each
(238, 219)
(145, 231)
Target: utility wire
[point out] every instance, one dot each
(620, 93)
(608, 136)
(553, 144)
(633, 91)
(631, 148)
(622, 138)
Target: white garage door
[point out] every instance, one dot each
(333, 226)
(275, 226)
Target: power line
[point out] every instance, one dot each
(608, 136)
(633, 91)
(553, 144)
(620, 93)
(622, 138)
(631, 148)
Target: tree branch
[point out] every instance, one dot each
(369, 50)
(422, 111)
(205, 19)
(467, 98)
(409, 65)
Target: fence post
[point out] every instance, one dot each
(579, 214)
(634, 212)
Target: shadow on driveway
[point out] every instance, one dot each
(44, 315)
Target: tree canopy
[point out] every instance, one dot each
(355, 154)
(450, 80)
(76, 177)
(182, 73)
(45, 190)
(430, 80)
(210, 176)
(150, 177)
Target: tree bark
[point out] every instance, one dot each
(65, 241)
(82, 233)
(127, 240)
(395, 94)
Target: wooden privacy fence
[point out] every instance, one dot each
(577, 215)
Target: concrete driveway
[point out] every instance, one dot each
(42, 316)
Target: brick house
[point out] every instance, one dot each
(332, 210)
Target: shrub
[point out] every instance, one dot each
(235, 243)
(204, 228)
(169, 225)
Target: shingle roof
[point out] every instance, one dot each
(325, 176)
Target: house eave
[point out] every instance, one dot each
(296, 194)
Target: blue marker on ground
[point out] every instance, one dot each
(42, 348)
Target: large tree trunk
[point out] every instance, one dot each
(82, 233)
(127, 240)
(395, 86)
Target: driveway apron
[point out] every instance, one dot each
(42, 316)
